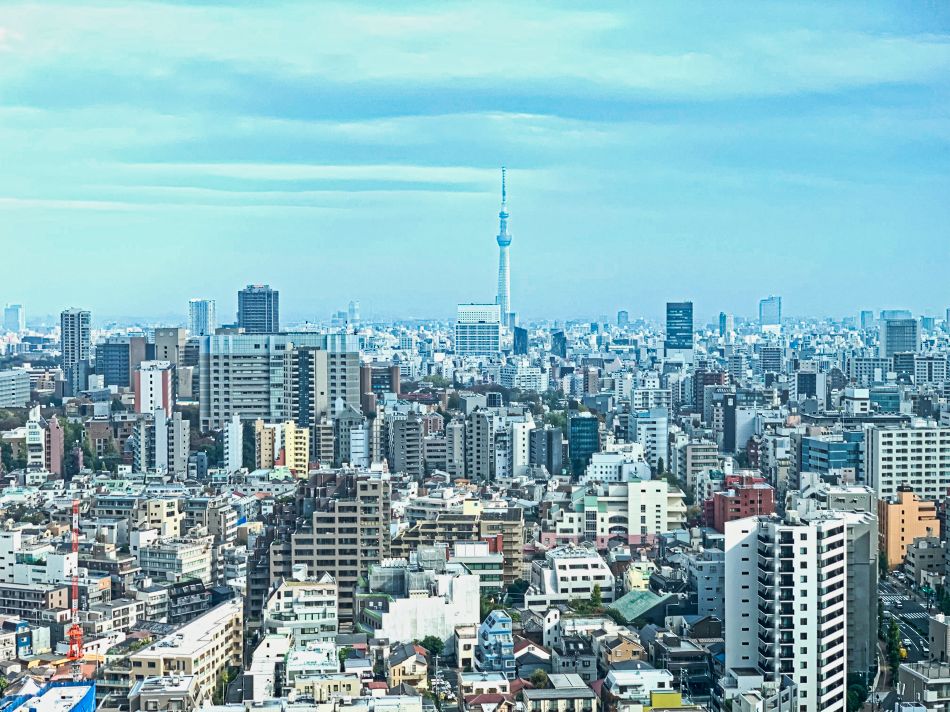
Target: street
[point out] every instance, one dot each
(911, 612)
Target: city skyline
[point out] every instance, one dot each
(655, 153)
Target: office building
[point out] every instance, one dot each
(770, 311)
(321, 380)
(679, 331)
(117, 357)
(75, 337)
(546, 449)
(623, 318)
(520, 346)
(202, 317)
(14, 388)
(917, 458)
(259, 309)
(867, 318)
(559, 343)
(786, 609)
(478, 330)
(153, 387)
(14, 318)
(727, 324)
(583, 440)
(170, 344)
(899, 336)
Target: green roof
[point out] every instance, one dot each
(636, 604)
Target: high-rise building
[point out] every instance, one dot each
(520, 341)
(770, 311)
(75, 337)
(546, 449)
(914, 457)
(170, 344)
(343, 527)
(353, 314)
(559, 344)
(246, 375)
(259, 309)
(727, 324)
(14, 318)
(478, 330)
(786, 603)
(234, 444)
(867, 318)
(153, 387)
(202, 319)
(583, 440)
(679, 331)
(117, 357)
(504, 268)
(623, 318)
(899, 335)
(14, 388)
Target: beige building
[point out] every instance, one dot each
(505, 528)
(206, 647)
(901, 519)
(297, 448)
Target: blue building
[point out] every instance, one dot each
(583, 440)
(823, 453)
(62, 696)
(885, 399)
(496, 646)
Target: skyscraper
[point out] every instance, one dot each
(14, 318)
(899, 336)
(623, 318)
(259, 309)
(867, 318)
(504, 268)
(679, 331)
(202, 320)
(770, 311)
(727, 324)
(75, 337)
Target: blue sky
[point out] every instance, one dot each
(151, 152)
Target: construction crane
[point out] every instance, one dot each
(74, 633)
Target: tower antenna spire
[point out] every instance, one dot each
(504, 269)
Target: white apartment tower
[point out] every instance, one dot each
(202, 319)
(786, 603)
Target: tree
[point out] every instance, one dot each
(660, 466)
(343, 653)
(433, 644)
(539, 678)
(249, 446)
(596, 596)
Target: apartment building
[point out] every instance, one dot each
(205, 648)
(634, 511)
(304, 608)
(246, 375)
(917, 457)
(568, 573)
(902, 518)
(786, 603)
(345, 528)
(503, 527)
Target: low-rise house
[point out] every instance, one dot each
(565, 693)
(407, 664)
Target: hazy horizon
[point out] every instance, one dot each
(160, 151)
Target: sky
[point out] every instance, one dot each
(151, 152)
